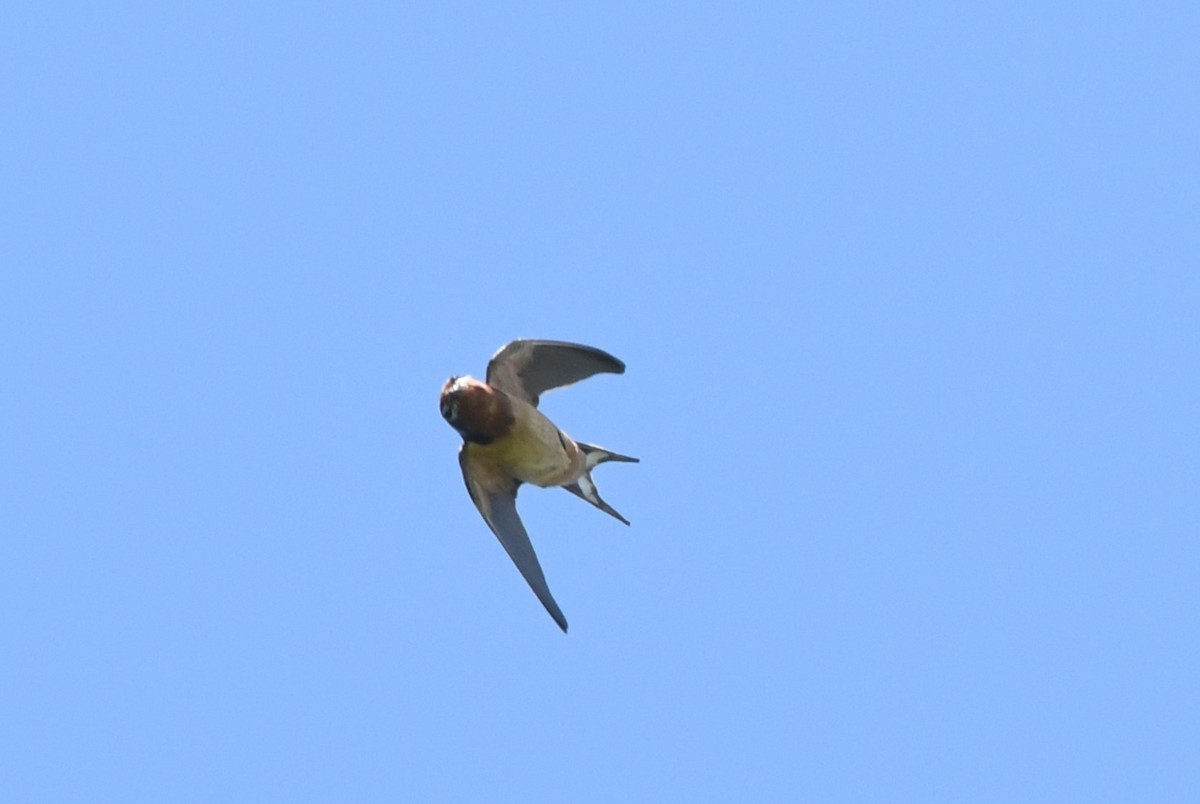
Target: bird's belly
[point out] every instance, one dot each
(536, 452)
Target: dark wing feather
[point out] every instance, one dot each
(499, 510)
(527, 368)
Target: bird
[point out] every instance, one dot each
(507, 441)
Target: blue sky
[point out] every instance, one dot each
(909, 301)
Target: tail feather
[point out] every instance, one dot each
(585, 487)
(593, 456)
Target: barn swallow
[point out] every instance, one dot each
(507, 441)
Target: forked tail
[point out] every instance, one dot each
(585, 487)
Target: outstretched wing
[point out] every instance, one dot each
(526, 368)
(496, 498)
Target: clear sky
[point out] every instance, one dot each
(909, 296)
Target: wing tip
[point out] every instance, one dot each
(556, 614)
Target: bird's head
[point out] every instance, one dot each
(479, 413)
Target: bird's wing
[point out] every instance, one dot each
(496, 498)
(526, 368)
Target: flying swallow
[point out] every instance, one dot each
(507, 441)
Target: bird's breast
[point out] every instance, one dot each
(535, 450)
